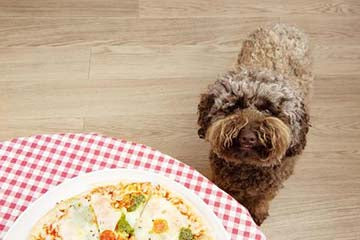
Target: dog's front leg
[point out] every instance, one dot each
(259, 210)
(258, 207)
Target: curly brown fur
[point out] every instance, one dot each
(255, 117)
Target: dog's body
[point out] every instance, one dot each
(256, 119)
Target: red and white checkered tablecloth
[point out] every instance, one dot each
(30, 166)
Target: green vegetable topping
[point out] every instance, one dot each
(136, 200)
(185, 234)
(123, 226)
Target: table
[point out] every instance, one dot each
(30, 166)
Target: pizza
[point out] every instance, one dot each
(124, 211)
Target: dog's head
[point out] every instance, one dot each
(253, 117)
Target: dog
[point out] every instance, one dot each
(255, 117)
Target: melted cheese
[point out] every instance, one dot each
(106, 215)
(79, 222)
(160, 208)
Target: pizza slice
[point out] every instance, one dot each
(72, 219)
(118, 208)
(126, 211)
(168, 217)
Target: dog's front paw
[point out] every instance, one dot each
(259, 211)
(260, 217)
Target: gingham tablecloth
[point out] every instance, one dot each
(30, 166)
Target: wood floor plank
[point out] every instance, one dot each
(26, 75)
(322, 193)
(336, 60)
(160, 62)
(327, 30)
(339, 84)
(335, 117)
(318, 199)
(229, 31)
(115, 31)
(17, 127)
(323, 8)
(68, 8)
(180, 8)
(90, 99)
(332, 125)
(243, 8)
(46, 64)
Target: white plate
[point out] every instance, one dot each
(69, 188)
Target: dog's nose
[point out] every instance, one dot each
(247, 137)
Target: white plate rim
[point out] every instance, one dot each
(84, 182)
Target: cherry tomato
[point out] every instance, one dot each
(107, 235)
(160, 226)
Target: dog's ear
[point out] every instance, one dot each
(204, 107)
(301, 138)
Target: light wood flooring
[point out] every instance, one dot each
(134, 69)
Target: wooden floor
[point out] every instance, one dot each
(134, 69)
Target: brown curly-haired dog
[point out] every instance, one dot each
(256, 118)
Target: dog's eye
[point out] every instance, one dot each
(264, 108)
(267, 111)
(240, 103)
(267, 107)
